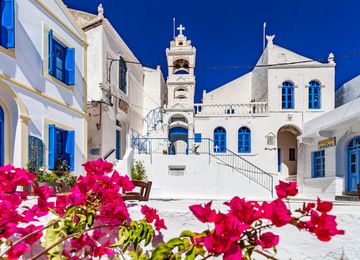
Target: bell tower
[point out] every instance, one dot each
(180, 84)
(181, 65)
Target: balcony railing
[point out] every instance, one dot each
(246, 109)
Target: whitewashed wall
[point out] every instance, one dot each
(44, 99)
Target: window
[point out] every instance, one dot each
(7, 32)
(287, 95)
(118, 151)
(61, 147)
(292, 154)
(197, 138)
(2, 139)
(61, 61)
(244, 140)
(318, 164)
(122, 75)
(314, 95)
(219, 140)
(230, 111)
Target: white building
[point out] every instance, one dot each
(118, 87)
(43, 113)
(250, 125)
(330, 149)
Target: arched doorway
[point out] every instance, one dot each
(178, 138)
(353, 163)
(287, 151)
(2, 133)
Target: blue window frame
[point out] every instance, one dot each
(2, 138)
(61, 146)
(197, 138)
(7, 28)
(118, 151)
(353, 164)
(318, 164)
(122, 75)
(219, 140)
(314, 95)
(61, 61)
(244, 140)
(287, 95)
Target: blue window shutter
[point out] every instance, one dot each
(70, 148)
(51, 53)
(70, 66)
(52, 147)
(7, 24)
(117, 144)
(197, 138)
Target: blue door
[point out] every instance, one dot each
(220, 140)
(177, 134)
(353, 163)
(2, 130)
(279, 160)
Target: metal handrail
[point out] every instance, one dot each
(108, 154)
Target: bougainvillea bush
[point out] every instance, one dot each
(93, 221)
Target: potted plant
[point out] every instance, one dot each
(138, 172)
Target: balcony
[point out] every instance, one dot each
(247, 109)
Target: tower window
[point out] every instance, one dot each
(180, 43)
(314, 95)
(287, 95)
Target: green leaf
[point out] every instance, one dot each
(162, 251)
(90, 220)
(70, 209)
(187, 233)
(174, 243)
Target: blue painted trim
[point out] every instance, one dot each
(122, 75)
(318, 159)
(220, 140)
(7, 29)
(353, 179)
(70, 66)
(2, 136)
(52, 147)
(118, 151)
(314, 95)
(197, 138)
(244, 140)
(287, 95)
(70, 149)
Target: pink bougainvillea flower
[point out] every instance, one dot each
(203, 213)
(284, 189)
(98, 167)
(17, 251)
(28, 230)
(81, 242)
(102, 250)
(234, 252)
(62, 201)
(159, 224)
(44, 192)
(324, 206)
(11, 177)
(268, 240)
(277, 212)
(323, 226)
(245, 211)
(149, 213)
(123, 181)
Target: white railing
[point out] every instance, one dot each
(246, 109)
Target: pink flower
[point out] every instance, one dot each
(284, 189)
(123, 181)
(98, 167)
(44, 192)
(268, 240)
(30, 229)
(323, 226)
(246, 212)
(81, 242)
(159, 224)
(102, 250)
(324, 206)
(277, 212)
(61, 204)
(17, 251)
(149, 213)
(204, 214)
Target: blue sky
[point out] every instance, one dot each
(229, 32)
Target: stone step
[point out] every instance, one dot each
(347, 198)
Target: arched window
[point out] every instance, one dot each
(314, 95)
(287, 94)
(122, 75)
(244, 140)
(2, 145)
(219, 140)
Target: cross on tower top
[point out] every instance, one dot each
(181, 29)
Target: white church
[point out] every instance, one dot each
(71, 88)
